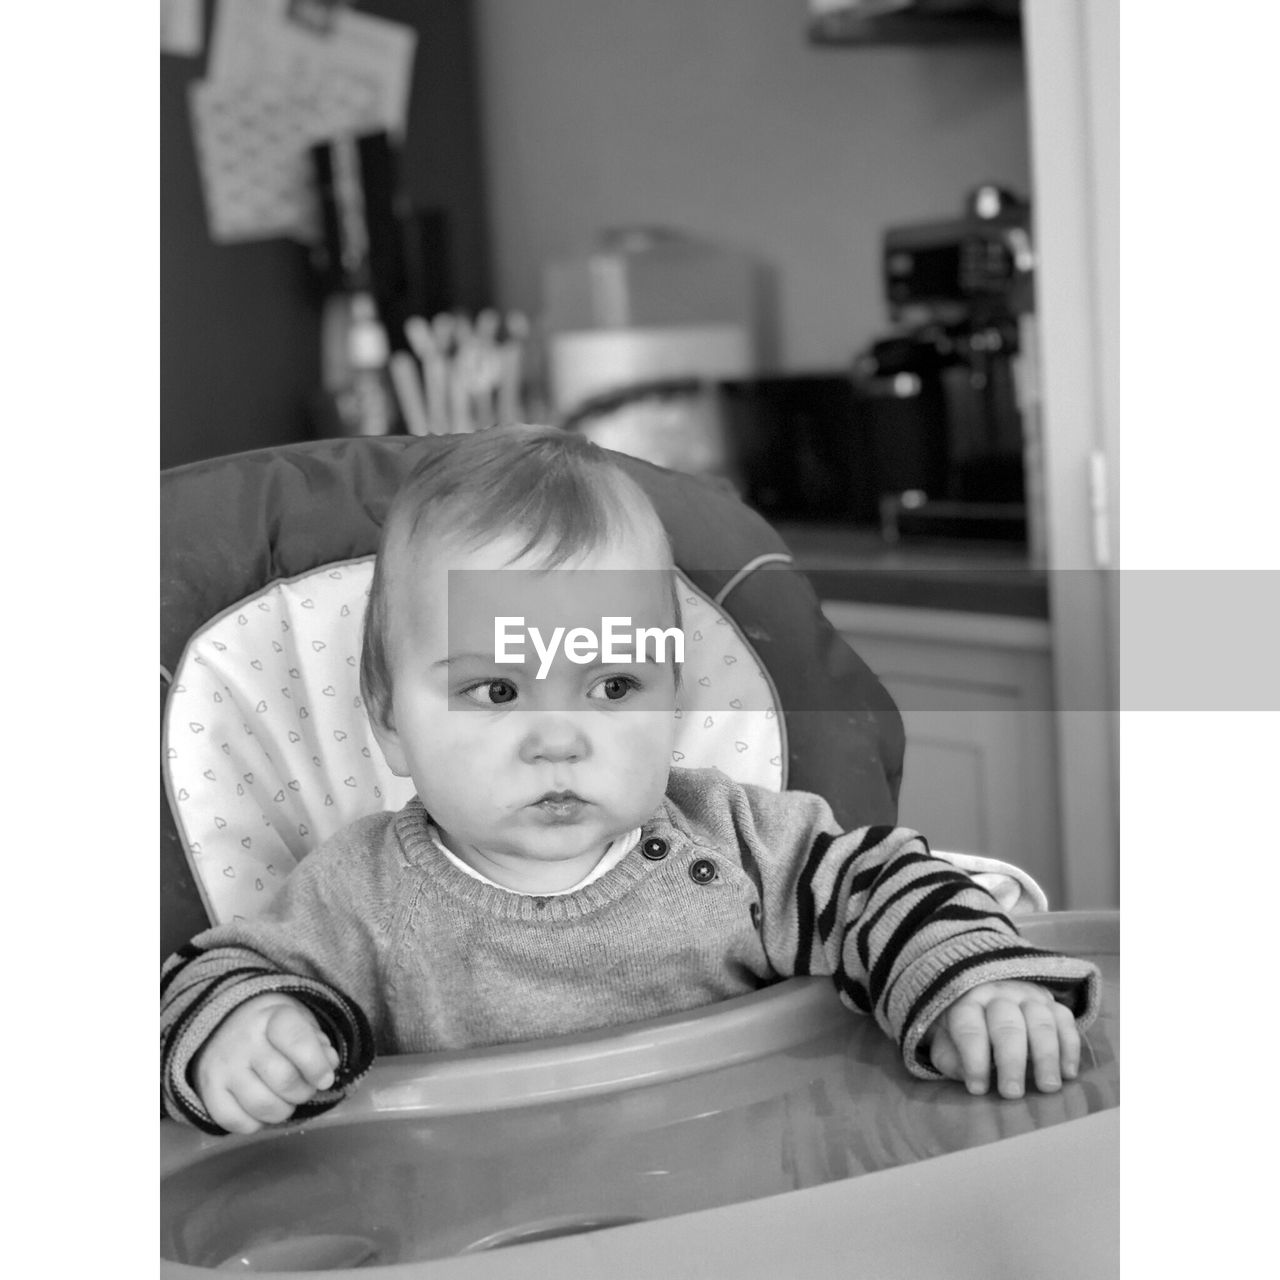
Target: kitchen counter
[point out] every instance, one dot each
(852, 563)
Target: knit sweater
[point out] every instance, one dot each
(729, 888)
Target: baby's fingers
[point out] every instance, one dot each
(282, 1078)
(296, 1036)
(944, 1055)
(1007, 1026)
(1043, 1046)
(967, 1025)
(245, 1103)
(1068, 1039)
(226, 1111)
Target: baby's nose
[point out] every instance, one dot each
(554, 737)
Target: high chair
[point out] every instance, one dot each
(266, 561)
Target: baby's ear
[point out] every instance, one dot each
(389, 741)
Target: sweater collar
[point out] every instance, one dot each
(413, 829)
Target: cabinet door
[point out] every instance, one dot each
(980, 763)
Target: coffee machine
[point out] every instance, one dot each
(938, 394)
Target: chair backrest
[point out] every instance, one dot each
(268, 750)
(266, 561)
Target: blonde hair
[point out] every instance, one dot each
(558, 489)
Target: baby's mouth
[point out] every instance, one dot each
(560, 806)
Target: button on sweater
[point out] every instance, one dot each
(397, 950)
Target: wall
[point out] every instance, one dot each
(239, 355)
(717, 116)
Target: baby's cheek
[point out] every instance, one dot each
(645, 742)
(454, 758)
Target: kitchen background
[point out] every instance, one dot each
(533, 126)
(786, 136)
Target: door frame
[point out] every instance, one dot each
(1072, 56)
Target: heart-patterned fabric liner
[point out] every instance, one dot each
(268, 750)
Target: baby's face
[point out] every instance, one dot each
(529, 768)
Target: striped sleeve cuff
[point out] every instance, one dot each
(939, 978)
(186, 1029)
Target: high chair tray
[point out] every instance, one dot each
(665, 1147)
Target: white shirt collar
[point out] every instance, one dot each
(617, 850)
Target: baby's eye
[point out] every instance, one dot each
(492, 693)
(614, 688)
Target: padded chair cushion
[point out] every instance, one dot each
(268, 750)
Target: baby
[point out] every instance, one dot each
(554, 873)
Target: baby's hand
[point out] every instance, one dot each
(264, 1059)
(1006, 1021)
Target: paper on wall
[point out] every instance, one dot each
(252, 144)
(256, 40)
(276, 86)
